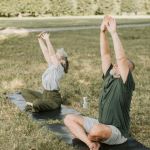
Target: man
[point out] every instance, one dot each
(112, 127)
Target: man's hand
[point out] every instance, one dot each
(104, 24)
(111, 26)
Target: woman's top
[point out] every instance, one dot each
(52, 75)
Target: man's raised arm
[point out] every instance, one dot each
(104, 47)
(121, 58)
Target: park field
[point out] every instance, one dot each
(22, 64)
(50, 23)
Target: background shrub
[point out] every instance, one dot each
(10, 8)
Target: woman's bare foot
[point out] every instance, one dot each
(29, 103)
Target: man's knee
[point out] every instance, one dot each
(100, 131)
(69, 119)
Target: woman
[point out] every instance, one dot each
(57, 67)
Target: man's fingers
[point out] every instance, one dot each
(108, 23)
(108, 26)
(114, 20)
(111, 22)
(107, 17)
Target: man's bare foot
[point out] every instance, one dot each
(94, 146)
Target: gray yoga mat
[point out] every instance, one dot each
(62, 132)
(20, 102)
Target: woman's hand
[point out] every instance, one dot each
(39, 35)
(43, 36)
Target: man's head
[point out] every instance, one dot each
(131, 65)
(115, 70)
(63, 58)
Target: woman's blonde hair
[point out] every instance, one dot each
(62, 52)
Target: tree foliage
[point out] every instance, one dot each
(71, 7)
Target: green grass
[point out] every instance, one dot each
(46, 23)
(22, 64)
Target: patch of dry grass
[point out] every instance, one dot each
(12, 85)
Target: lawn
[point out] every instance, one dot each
(22, 64)
(47, 23)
